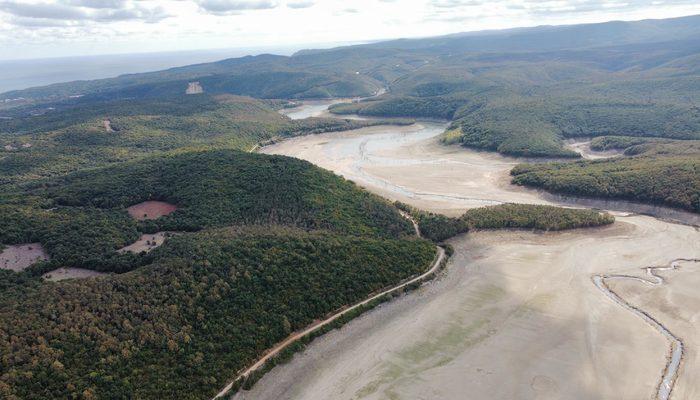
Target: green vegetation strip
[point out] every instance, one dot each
(671, 180)
(521, 216)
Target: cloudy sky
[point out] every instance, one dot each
(50, 28)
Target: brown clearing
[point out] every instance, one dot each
(21, 256)
(70, 273)
(151, 210)
(146, 243)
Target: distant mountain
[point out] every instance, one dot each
(547, 37)
(361, 70)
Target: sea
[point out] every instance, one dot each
(22, 74)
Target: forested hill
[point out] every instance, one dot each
(264, 245)
(520, 92)
(81, 218)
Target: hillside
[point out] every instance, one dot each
(84, 134)
(661, 173)
(546, 38)
(524, 104)
(361, 70)
(263, 246)
(210, 305)
(81, 218)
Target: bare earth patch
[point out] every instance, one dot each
(21, 256)
(146, 243)
(108, 125)
(151, 210)
(70, 273)
(194, 88)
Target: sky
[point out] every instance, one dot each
(59, 28)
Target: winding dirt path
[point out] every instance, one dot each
(676, 344)
(439, 257)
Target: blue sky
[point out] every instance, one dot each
(52, 28)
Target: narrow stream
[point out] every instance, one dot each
(671, 371)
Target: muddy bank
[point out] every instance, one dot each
(583, 147)
(665, 213)
(673, 301)
(410, 165)
(317, 109)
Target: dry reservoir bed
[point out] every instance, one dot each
(408, 164)
(516, 315)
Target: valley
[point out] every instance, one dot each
(515, 315)
(498, 214)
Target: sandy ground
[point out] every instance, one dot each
(316, 108)
(583, 147)
(146, 243)
(70, 273)
(151, 210)
(408, 164)
(194, 88)
(19, 257)
(516, 315)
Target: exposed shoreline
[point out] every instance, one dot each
(394, 171)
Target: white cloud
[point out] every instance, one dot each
(31, 28)
(75, 11)
(225, 7)
(300, 4)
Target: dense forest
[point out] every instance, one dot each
(81, 218)
(666, 181)
(266, 245)
(179, 328)
(520, 93)
(438, 227)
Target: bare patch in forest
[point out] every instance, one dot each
(70, 273)
(21, 256)
(146, 243)
(151, 210)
